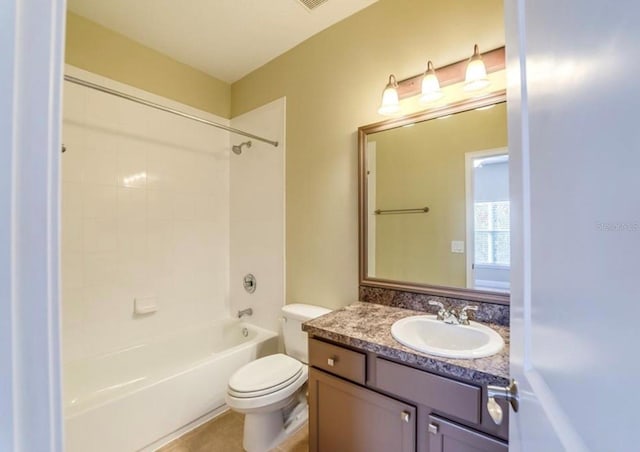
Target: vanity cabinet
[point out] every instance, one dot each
(359, 401)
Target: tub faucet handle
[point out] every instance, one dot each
(244, 312)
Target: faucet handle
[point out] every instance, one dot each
(442, 311)
(463, 317)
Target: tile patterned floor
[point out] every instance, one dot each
(224, 434)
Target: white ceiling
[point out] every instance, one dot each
(224, 38)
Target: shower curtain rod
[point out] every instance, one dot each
(122, 95)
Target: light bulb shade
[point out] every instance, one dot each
(476, 76)
(430, 85)
(390, 102)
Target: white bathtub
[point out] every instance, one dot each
(127, 400)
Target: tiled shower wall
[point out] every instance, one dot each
(145, 213)
(257, 215)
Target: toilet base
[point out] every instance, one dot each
(264, 431)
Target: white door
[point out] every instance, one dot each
(574, 141)
(31, 56)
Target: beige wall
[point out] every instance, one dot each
(422, 166)
(332, 83)
(94, 48)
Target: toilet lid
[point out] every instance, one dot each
(265, 375)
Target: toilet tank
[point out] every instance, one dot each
(295, 340)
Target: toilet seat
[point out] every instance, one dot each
(268, 402)
(265, 376)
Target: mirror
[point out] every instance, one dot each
(434, 201)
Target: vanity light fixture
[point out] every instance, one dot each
(476, 76)
(430, 85)
(390, 104)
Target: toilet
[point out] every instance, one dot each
(271, 391)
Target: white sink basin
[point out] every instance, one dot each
(427, 334)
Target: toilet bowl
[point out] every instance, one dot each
(271, 391)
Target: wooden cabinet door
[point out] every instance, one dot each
(344, 417)
(445, 436)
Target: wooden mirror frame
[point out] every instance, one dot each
(430, 289)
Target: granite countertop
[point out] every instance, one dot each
(367, 326)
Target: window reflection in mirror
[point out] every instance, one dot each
(457, 167)
(488, 226)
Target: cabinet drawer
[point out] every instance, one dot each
(337, 360)
(447, 396)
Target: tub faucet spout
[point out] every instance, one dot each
(244, 312)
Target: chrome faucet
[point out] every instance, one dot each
(244, 312)
(463, 317)
(442, 311)
(451, 316)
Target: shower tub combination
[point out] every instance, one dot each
(134, 398)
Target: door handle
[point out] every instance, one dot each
(509, 393)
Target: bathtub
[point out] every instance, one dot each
(127, 400)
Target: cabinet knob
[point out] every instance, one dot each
(405, 416)
(332, 361)
(433, 429)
